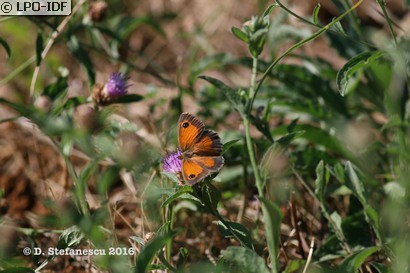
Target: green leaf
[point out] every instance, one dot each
(257, 41)
(269, 9)
(228, 145)
(394, 121)
(330, 249)
(162, 230)
(109, 32)
(173, 177)
(263, 126)
(338, 28)
(107, 179)
(244, 260)
(240, 34)
(129, 98)
(240, 231)
(56, 89)
(317, 135)
(148, 253)
(316, 14)
(70, 103)
(339, 173)
(18, 270)
(321, 182)
(286, 140)
(355, 184)
(28, 112)
(88, 171)
(206, 266)
(210, 196)
(353, 66)
(71, 236)
(230, 93)
(273, 220)
(39, 49)
(337, 220)
(293, 266)
(354, 261)
(128, 24)
(82, 56)
(372, 217)
(178, 193)
(357, 187)
(291, 127)
(6, 47)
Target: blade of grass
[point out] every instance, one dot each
(50, 43)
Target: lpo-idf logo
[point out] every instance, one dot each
(38, 7)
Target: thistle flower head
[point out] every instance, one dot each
(172, 163)
(116, 86)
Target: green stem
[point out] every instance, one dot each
(171, 216)
(386, 15)
(354, 21)
(252, 90)
(252, 157)
(18, 70)
(246, 123)
(257, 174)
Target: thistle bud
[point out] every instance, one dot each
(98, 11)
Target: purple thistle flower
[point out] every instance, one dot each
(117, 85)
(172, 163)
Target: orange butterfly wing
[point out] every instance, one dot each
(190, 128)
(193, 137)
(208, 144)
(196, 168)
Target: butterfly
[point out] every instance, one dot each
(201, 149)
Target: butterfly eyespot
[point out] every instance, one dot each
(185, 124)
(191, 176)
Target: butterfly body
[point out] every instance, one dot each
(201, 149)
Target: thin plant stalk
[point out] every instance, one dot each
(386, 15)
(257, 174)
(171, 219)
